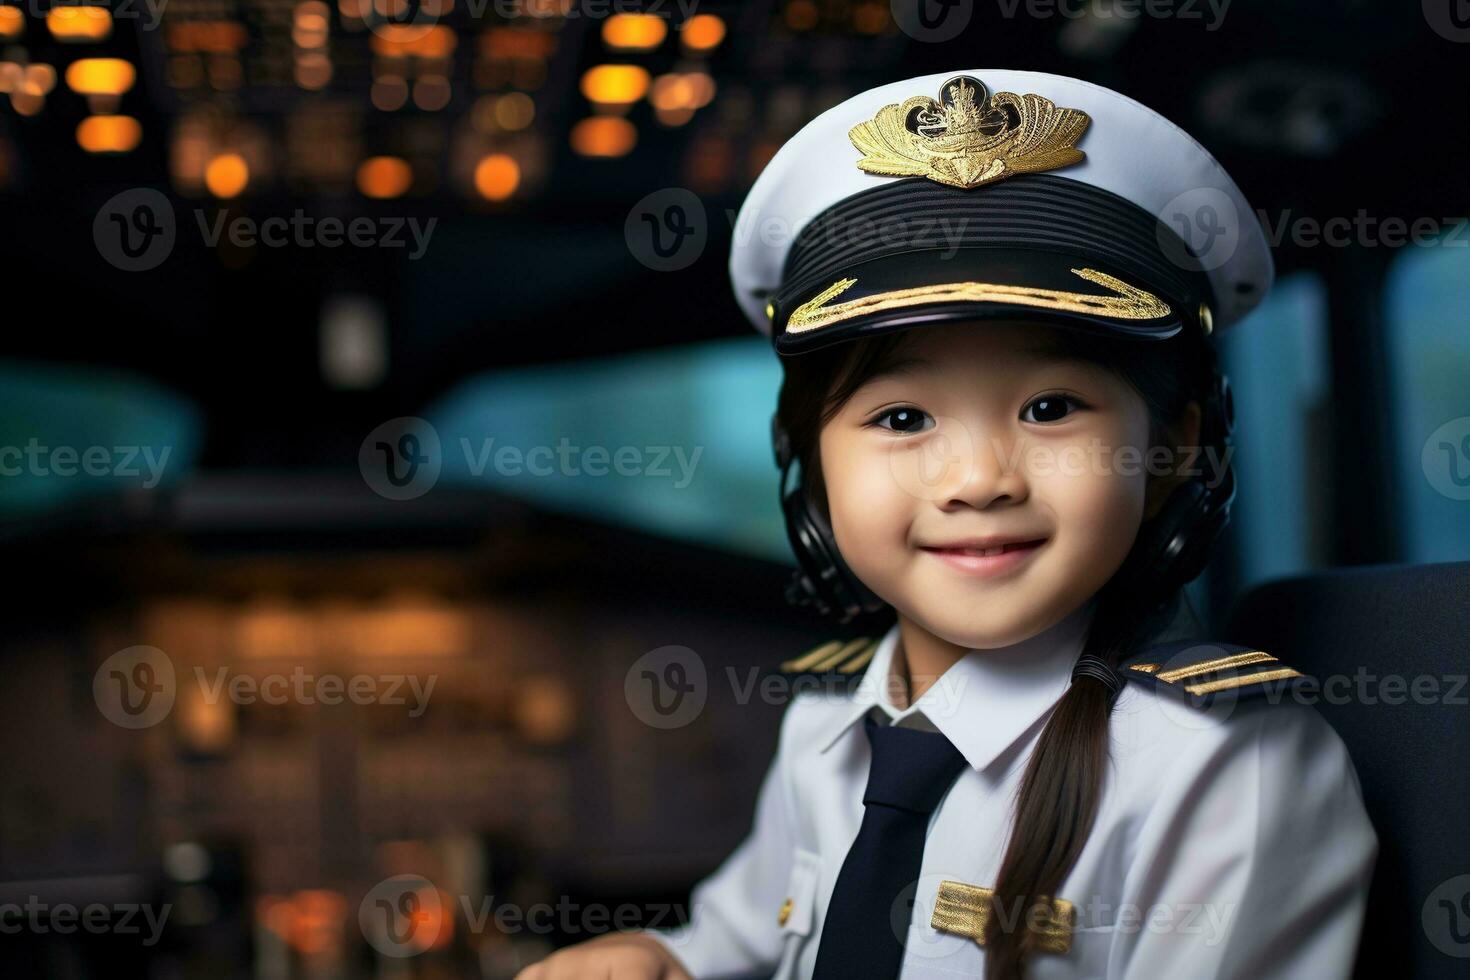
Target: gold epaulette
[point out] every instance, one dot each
(1203, 672)
(840, 657)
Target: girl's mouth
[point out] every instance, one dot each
(984, 562)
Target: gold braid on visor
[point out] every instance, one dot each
(1125, 302)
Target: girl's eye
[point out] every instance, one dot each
(904, 420)
(1049, 408)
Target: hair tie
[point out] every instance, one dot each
(1091, 665)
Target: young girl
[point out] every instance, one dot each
(1014, 434)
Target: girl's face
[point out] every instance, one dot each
(976, 439)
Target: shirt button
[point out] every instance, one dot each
(784, 914)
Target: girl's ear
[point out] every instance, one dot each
(1185, 447)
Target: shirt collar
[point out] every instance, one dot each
(984, 702)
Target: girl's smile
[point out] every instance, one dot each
(984, 558)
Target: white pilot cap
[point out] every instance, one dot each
(993, 193)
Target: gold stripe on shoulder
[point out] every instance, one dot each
(848, 649)
(861, 660)
(816, 653)
(1210, 666)
(1241, 680)
(1145, 668)
(833, 654)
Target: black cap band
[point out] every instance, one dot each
(1039, 222)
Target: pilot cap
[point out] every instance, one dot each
(990, 194)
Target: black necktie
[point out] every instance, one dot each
(910, 772)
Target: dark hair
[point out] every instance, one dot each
(1062, 785)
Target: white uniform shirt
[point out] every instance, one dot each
(1230, 841)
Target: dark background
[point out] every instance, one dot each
(266, 548)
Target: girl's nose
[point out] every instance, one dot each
(995, 477)
(962, 466)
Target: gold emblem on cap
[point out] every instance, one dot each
(968, 138)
